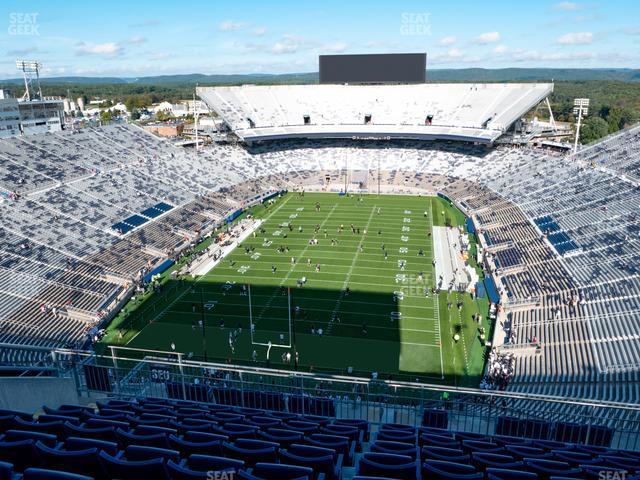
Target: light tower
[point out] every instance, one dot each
(580, 108)
(30, 72)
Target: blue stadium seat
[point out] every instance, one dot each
(154, 440)
(6, 471)
(441, 470)
(362, 425)
(134, 470)
(390, 465)
(445, 454)
(277, 471)
(284, 437)
(236, 430)
(44, 474)
(77, 443)
(20, 453)
(572, 457)
(252, 451)
(205, 463)
(46, 438)
(505, 474)
(438, 441)
(398, 448)
(353, 433)
(263, 422)
(479, 446)
(548, 468)
(53, 428)
(141, 452)
(484, 460)
(525, 451)
(16, 413)
(322, 460)
(76, 461)
(339, 444)
(392, 435)
(205, 443)
(101, 433)
(307, 428)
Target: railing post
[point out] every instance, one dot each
(184, 389)
(116, 375)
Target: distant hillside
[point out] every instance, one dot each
(433, 75)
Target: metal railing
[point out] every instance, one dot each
(130, 373)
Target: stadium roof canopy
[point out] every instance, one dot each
(456, 111)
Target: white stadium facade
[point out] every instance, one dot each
(86, 214)
(458, 111)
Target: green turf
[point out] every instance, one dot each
(358, 330)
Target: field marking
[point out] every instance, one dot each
(345, 284)
(439, 339)
(390, 285)
(300, 321)
(348, 302)
(286, 277)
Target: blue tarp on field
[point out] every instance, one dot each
(471, 228)
(480, 290)
(159, 269)
(233, 216)
(492, 291)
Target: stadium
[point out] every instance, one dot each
(362, 278)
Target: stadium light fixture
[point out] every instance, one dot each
(580, 108)
(30, 71)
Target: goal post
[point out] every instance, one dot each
(265, 336)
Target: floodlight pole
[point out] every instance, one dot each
(575, 143)
(581, 107)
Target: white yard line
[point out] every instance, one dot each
(345, 284)
(439, 337)
(286, 277)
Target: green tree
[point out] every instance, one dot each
(592, 129)
(106, 116)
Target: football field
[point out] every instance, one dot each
(341, 282)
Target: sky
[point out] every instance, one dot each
(137, 38)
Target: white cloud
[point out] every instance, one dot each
(336, 47)
(488, 37)
(534, 55)
(632, 31)
(446, 41)
(453, 56)
(136, 40)
(500, 49)
(230, 25)
(284, 47)
(259, 31)
(576, 38)
(109, 49)
(567, 6)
